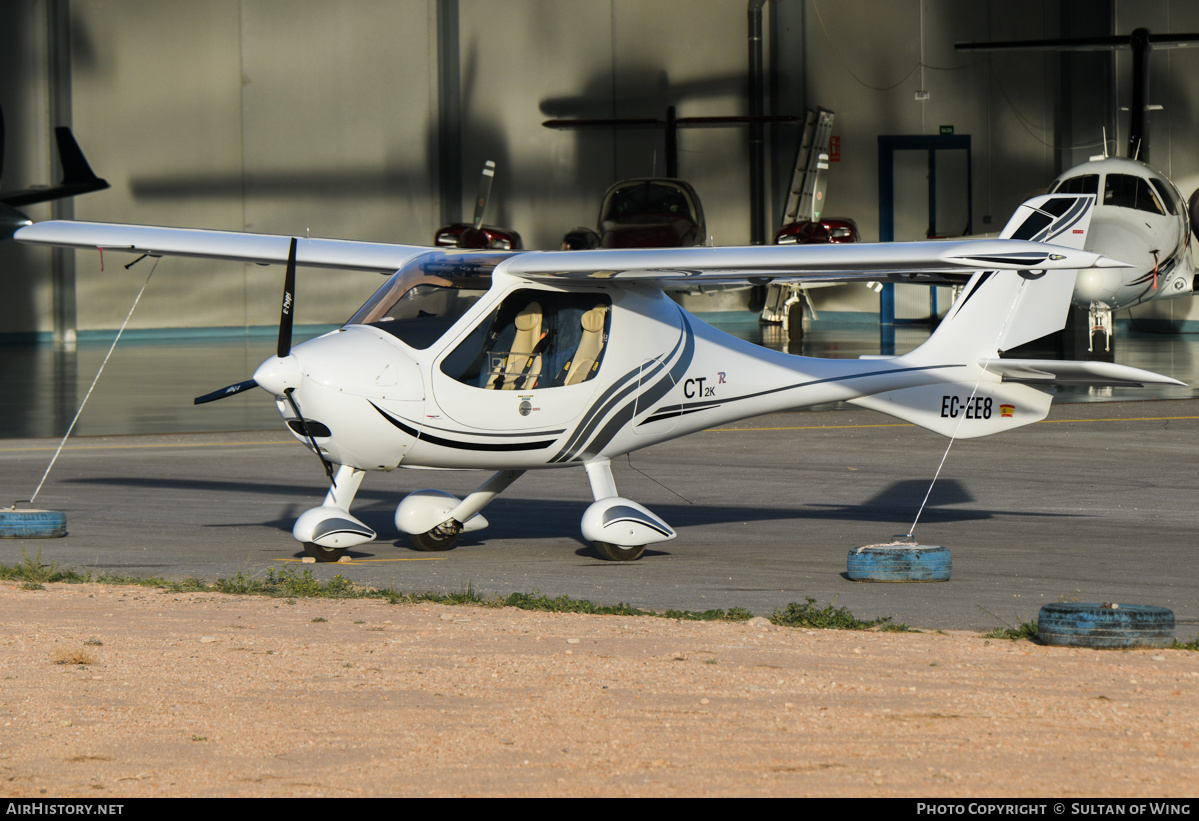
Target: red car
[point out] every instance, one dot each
(465, 235)
(806, 232)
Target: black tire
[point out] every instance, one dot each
(795, 321)
(617, 553)
(32, 524)
(900, 563)
(430, 542)
(324, 554)
(1093, 624)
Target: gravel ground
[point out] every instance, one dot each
(115, 692)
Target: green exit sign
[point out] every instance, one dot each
(946, 130)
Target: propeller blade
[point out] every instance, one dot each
(484, 191)
(291, 400)
(223, 392)
(289, 303)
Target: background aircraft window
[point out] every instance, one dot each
(535, 339)
(1127, 191)
(647, 198)
(1086, 184)
(1171, 198)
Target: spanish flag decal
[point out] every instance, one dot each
(1007, 411)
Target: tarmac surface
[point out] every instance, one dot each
(1097, 503)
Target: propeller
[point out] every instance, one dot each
(283, 351)
(287, 309)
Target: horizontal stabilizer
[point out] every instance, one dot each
(1064, 372)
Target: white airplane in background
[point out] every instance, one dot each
(1140, 216)
(512, 361)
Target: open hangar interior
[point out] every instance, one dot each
(371, 119)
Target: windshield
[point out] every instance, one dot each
(1127, 191)
(424, 298)
(1086, 184)
(646, 197)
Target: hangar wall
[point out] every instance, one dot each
(313, 116)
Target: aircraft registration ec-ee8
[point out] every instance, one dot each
(514, 361)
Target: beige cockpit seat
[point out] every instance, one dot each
(586, 359)
(520, 367)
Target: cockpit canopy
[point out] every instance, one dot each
(651, 213)
(428, 295)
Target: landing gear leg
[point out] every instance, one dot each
(1102, 344)
(328, 530)
(619, 528)
(793, 316)
(433, 520)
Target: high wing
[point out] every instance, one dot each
(264, 249)
(928, 262)
(1023, 245)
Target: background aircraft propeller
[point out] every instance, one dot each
(475, 236)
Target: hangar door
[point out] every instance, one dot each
(924, 192)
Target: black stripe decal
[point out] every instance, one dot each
(679, 410)
(613, 396)
(647, 398)
(966, 297)
(496, 435)
(459, 445)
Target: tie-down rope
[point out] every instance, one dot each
(94, 381)
(962, 418)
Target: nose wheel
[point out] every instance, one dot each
(324, 554)
(616, 553)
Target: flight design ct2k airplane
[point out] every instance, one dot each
(511, 361)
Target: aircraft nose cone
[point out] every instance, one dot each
(276, 375)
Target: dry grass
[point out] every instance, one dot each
(79, 657)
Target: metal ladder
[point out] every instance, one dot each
(811, 159)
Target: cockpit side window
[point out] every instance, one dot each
(1127, 191)
(534, 340)
(1086, 184)
(1170, 197)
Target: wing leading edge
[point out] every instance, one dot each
(927, 262)
(264, 249)
(902, 261)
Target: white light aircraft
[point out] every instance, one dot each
(512, 361)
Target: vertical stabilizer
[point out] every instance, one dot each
(999, 310)
(996, 311)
